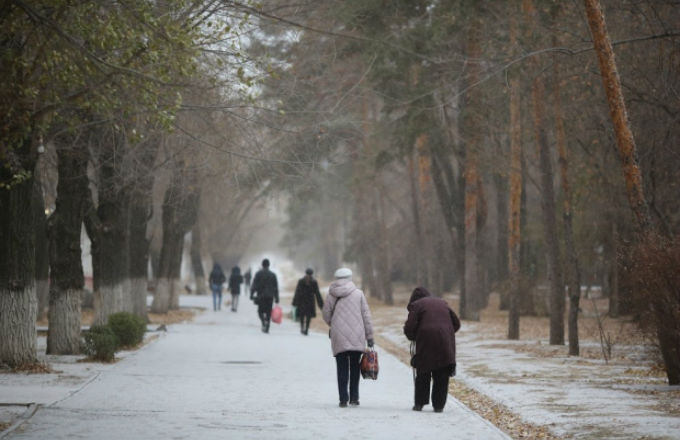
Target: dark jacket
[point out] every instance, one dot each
(303, 299)
(235, 281)
(217, 276)
(433, 325)
(265, 285)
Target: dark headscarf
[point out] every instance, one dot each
(418, 293)
(236, 270)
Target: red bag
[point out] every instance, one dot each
(277, 314)
(369, 365)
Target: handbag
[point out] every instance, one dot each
(277, 314)
(369, 365)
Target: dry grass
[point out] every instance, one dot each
(486, 407)
(534, 331)
(33, 368)
(172, 317)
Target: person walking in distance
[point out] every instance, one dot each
(306, 292)
(216, 280)
(264, 291)
(246, 277)
(235, 281)
(433, 326)
(346, 312)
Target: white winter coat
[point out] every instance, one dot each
(346, 312)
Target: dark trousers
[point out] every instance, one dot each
(304, 323)
(347, 364)
(264, 311)
(440, 386)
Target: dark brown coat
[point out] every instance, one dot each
(306, 292)
(433, 325)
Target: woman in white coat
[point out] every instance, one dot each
(346, 312)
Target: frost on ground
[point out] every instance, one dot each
(575, 397)
(528, 388)
(221, 377)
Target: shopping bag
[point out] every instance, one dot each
(277, 314)
(369, 364)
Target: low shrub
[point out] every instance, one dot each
(100, 343)
(653, 270)
(128, 327)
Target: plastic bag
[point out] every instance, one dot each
(277, 314)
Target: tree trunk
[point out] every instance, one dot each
(547, 197)
(473, 190)
(527, 307)
(197, 260)
(139, 215)
(42, 263)
(66, 276)
(618, 114)
(415, 209)
(18, 302)
(180, 207)
(426, 210)
(614, 298)
(112, 294)
(502, 229)
(515, 196)
(382, 252)
(668, 343)
(573, 273)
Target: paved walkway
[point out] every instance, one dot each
(220, 377)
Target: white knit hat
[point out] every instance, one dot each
(343, 272)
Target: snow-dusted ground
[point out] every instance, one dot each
(221, 377)
(574, 397)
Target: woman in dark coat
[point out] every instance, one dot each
(433, 326)
(306, 292)
(235, 281)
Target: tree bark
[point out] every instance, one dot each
(139, 215)
(450, 190)
(614, 297)
(66, 277)
(502, 229)
(180, 207)
(619, 115)
(197, 260)
(42, 263)
(473, 190)
(140, 212)
(515, 196)
(383, 256)
(547, 196)
(573, 273)
(415, 209)
(18, 302)
(647, 233)
(111, 251)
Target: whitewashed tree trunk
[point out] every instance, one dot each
(63, 335)
(107, 301)
(18, 337)
(161, 297)
(138, 293)
(175, 292)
